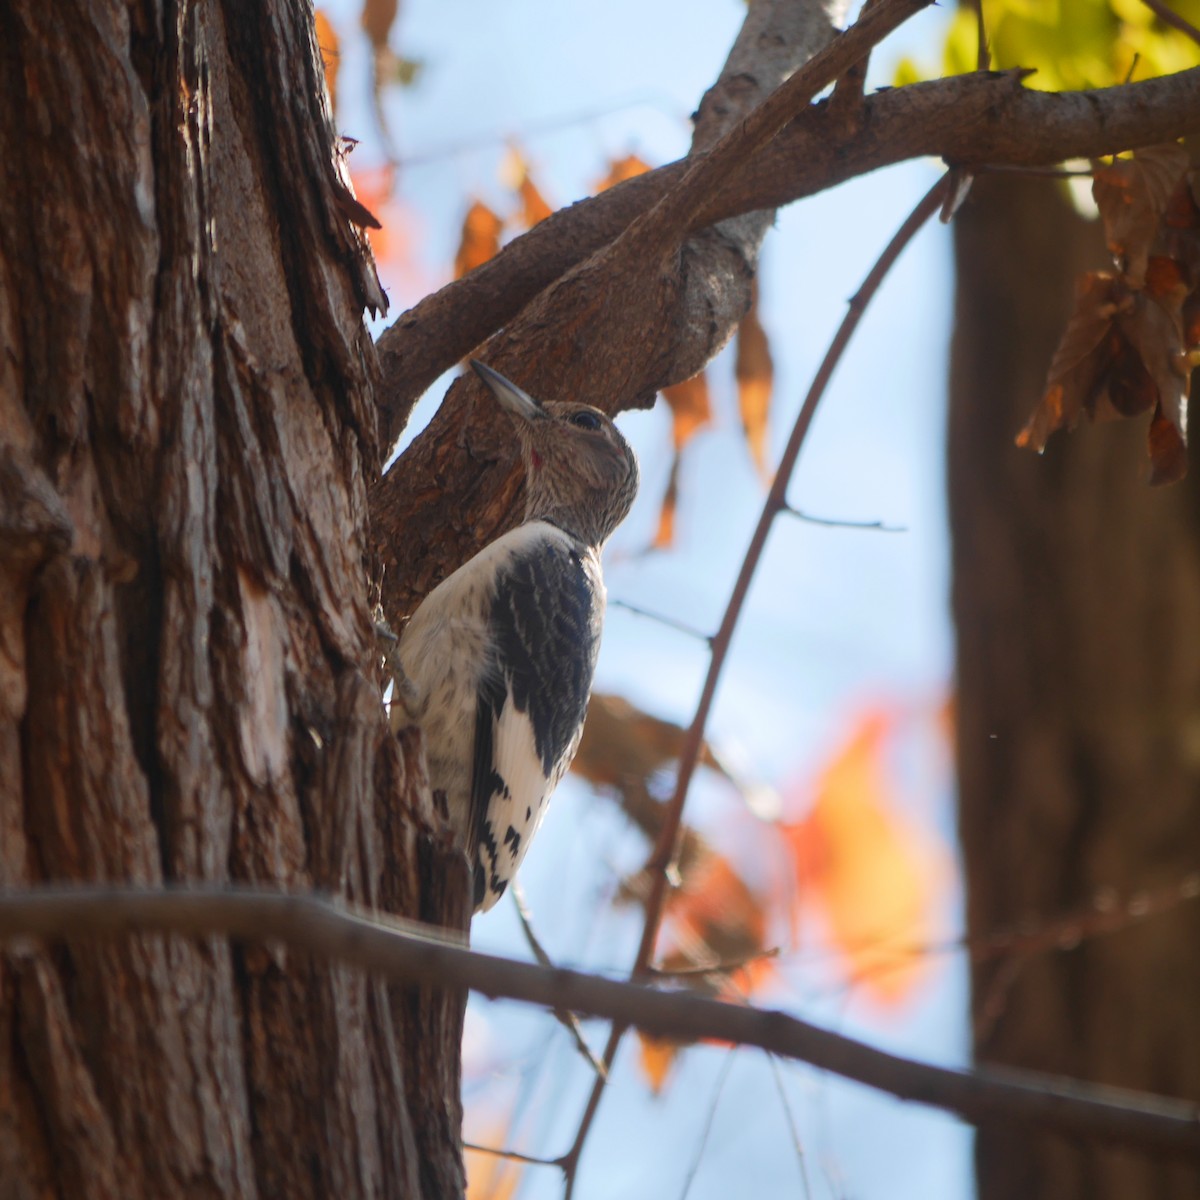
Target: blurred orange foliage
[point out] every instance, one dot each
(875, 876)
(755, 373)
(621, 169)
(480, 239)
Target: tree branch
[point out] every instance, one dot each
(967, 120)
(419, 954)
(649, 309)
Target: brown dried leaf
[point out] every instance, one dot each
(714, 918)
(480, 239)
(621, 169)
(327, 43)
(1156, 330)
(621, 742)
(1168, 451)
(377, 19)
(1080, 362)
(1132, 194)
(755, 373)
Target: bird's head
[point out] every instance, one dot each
(581, 474)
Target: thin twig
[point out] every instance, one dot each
(515, 1155)
(665, 848)
(839, 523)
(568, 1020)
(1168, 16)
(722, 1079)
(412, 953)
(664, 851)
(663, 619)
(793, 1128)
(726, 967)
(983, 56)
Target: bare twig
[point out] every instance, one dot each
(726, 967)
(1168, 16)
(718, 1088)
(663, 619)
(793, 1127)
(516, 1155)
(568, 1020)
(665, 849)
(841, 523)
(412, 953)
(983, 56)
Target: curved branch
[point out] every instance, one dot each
(419, 954)
(966, 120)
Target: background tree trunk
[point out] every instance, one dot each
(188, 683)
(1076, 593)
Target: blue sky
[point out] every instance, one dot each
(836, 618)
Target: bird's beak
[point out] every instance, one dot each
(518, 402)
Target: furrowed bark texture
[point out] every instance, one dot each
(187, 664)
(611, 332)
(1076, 589)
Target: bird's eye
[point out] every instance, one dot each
(585, 420)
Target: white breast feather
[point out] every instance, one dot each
(444, 652)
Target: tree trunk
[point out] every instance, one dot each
(1076, 589)
(188, 680)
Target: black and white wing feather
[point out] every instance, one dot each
(545, 622)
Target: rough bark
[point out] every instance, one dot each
(188, 684)
(1076, 589)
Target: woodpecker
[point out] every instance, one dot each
(499, 657)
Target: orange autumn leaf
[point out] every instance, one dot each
(327, 43)
(690, 407)
(480, 240)
(874, 876)
(656, 1056)
(621, 169)
(664, 535)
(533, 204)
(714, 919)
(714, 943)
(755, 374)
(515, 173)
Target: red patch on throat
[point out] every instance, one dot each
(536, 457)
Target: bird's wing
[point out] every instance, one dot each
(545, 631)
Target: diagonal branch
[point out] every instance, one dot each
(983, 118)
(418, 954)
(650, 308)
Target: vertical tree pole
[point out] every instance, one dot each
(1076, 589)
